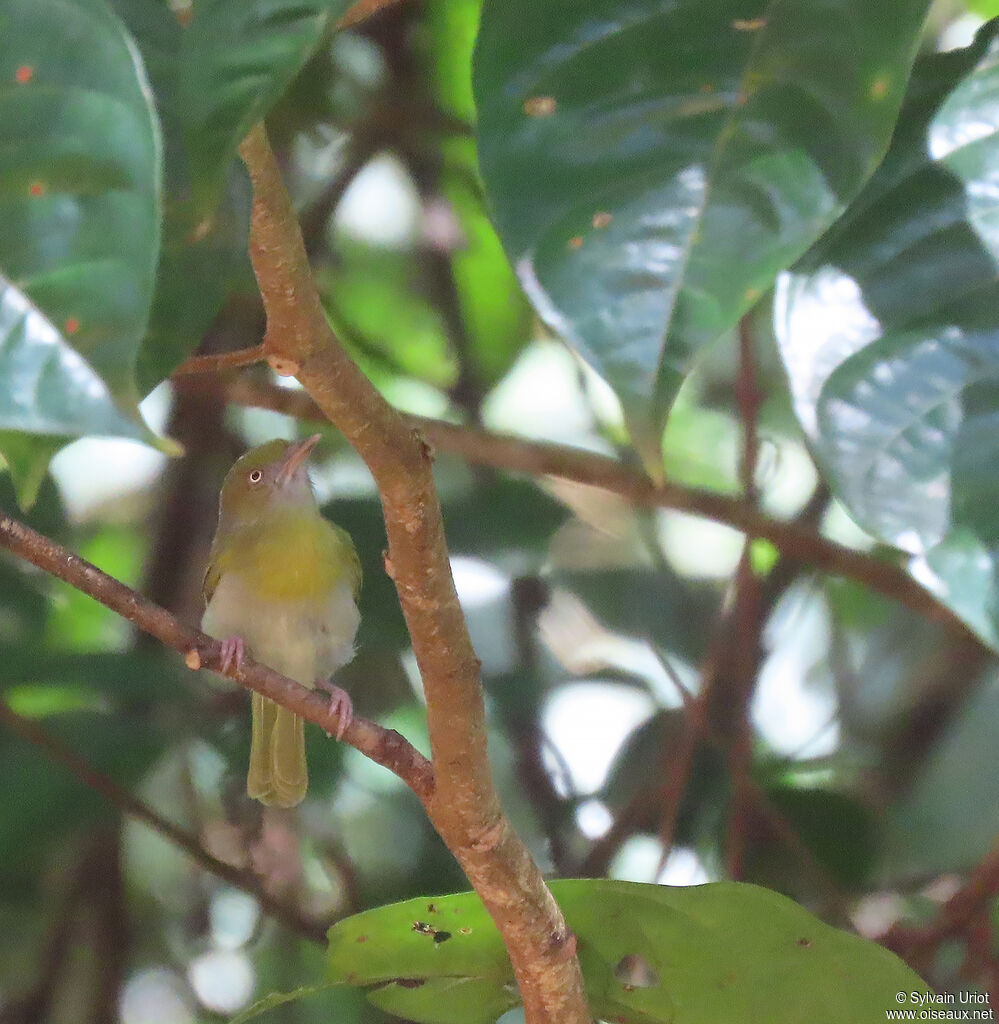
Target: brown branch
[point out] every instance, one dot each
(464, 806)
(744, 653)
(362, 10)
(218, 361)
(541, 458)
(385, 746)
(914, 942)
(134, 808)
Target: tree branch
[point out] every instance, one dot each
(464, 806)
(216, 361)
(385, 746)
(745, 651)
(542, 458)
(134, 808)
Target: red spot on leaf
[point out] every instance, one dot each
(24, 74)
(36, 188)
(72, 325)
(361, 938)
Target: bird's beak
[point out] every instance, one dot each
(295, 457)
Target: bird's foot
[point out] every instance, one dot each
(232, 651)
(340, 703)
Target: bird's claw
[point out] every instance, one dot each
(340, 703)
(232, 651)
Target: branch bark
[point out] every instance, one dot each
(463, 806)
(542, 458)
(385, 746)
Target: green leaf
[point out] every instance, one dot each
(500, 515)
(652, 166)
(274, 999)
(201, 252)
(656, 605)
(888, 331)
(52, 803)
(27, 457)
(198, 268)
(840, 831)
(46, 386)
(79, 234)
(237, 58)
(650, 954)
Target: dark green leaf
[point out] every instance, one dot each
(200, 253)
(51, 803)
(27, 457)
(502, 515)
(889, 334)
(198, 267)
(653, 166)
(237, 58)
(79, 234)
(650, 954)
(839, 830)
(650, 605)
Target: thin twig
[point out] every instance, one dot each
(541, 458)
(385, 746)
(744, 640)
(363, 10)
(972, 899)
(135, 808)
(218, 361)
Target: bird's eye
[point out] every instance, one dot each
(255, 476)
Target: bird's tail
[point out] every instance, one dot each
(278, 775)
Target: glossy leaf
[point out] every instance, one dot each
(652, 166)
(889, 332)
(79, 230)
(496, 313)
(46, 385)
(201, 253)
(650, 954)
(237, 58)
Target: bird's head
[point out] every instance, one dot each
(268, 480)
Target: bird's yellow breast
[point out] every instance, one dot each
(303, 558)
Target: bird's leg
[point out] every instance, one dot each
(232, 651)
(340, 702)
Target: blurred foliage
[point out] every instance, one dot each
(644, 195)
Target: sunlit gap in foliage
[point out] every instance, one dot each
(640, 860)
(223, 980)
(795, 705)
(94, 473)
(155, 993)
(587, 724)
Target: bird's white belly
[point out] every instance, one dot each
(303, 640)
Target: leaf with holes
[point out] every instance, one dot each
(652, 166)
(889, 331)
(79, 235)
(650, 954)
(237, 58)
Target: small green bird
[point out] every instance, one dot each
(281, 585)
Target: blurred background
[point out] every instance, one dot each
(620, 672)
